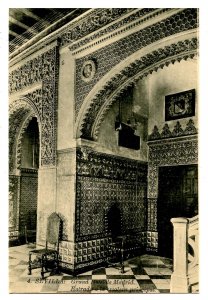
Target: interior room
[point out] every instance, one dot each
(103, 150)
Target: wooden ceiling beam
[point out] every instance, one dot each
(20, 24)
(30, 14)
(13, 33)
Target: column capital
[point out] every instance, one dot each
(179, 220)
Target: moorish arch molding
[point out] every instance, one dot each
(176, 48)
(42, 69)
(20, 113)
(20, 138)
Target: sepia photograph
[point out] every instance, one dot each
(103, 125)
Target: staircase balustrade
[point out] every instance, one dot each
(185, 258)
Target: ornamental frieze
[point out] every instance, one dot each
(174, 153)
(139, 16)
(178, 131)
(93, 22)
(95, 164)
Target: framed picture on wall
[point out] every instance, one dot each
(180, 105)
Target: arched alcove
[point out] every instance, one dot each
(24, 158)
(30, 146)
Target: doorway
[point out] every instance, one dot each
(177, 197)
(29, 182)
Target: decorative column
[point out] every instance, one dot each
(179, 278)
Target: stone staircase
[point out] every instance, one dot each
(185, 277)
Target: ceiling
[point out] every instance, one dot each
(26, 23)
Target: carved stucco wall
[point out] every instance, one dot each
(42, 101)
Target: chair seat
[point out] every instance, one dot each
(43, 251)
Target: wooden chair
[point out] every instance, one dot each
(48, 257)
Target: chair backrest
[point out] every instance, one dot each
(53, 226)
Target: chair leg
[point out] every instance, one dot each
(57, 264)
(42, 267)
(29, 267)
(122, 261)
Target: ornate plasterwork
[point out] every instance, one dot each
(92, 22)
(20, 138)
(137, 17)
(102, 101)
(112, 54)
(174, 152)
(19, 110)
(43, 102)
(88, 70)
(190, 129)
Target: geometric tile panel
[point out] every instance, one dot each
(103, 181)
(28, 200)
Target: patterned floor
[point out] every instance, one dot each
(145, 274)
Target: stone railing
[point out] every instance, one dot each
(185, 272)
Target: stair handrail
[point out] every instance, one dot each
(185, 273)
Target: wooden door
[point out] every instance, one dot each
(177, 197)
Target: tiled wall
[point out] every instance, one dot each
(80, 255)
(102, 181)
(28, 200)
(14, 188)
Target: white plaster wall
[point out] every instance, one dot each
(172, 79)
(66, 170)
(46, 200)
(66, 101)
(149, 102)
(108, 137)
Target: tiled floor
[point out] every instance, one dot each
(145, 274)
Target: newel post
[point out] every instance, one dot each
(179, 278)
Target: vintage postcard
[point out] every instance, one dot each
(103, 150)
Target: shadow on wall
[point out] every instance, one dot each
(114, 226)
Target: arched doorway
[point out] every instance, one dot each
(29, 182)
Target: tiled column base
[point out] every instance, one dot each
(152, 241)
(79, 256)
(13, 235)
(66, 255)
(91, 253)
